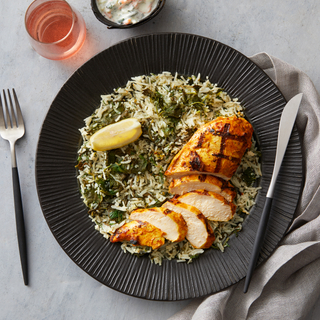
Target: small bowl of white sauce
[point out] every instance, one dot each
(126, 13)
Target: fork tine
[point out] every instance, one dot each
(2, 120)
(7, 118)
(18, 110)
(12, 113)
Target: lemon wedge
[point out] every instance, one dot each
(116, 135)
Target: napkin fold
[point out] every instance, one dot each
(287, 284)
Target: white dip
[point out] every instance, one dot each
(126, 11)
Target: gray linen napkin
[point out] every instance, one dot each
(287, 285)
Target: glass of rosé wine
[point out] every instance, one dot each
(56, 30)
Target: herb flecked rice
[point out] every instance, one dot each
(170, 109)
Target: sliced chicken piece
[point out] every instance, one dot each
(139, 233)
(202, 182)
(216, 148)
(213, 206)
(199, 234)
(171, 223)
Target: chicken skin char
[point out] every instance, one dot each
(139, 233)
(216, 148)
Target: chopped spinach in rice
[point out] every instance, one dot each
(170, 109)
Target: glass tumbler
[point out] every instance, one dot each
(56, 30)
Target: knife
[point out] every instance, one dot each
(287, 120)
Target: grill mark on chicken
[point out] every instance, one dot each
(201, 139)
(225, 184)
(222, 156)
(195, 161)
(224, 134)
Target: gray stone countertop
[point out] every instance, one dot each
(58, 288)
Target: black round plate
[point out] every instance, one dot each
(59, 140)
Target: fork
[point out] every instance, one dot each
(12, 129)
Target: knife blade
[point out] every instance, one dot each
(287, 120)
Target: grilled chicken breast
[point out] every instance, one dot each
(216, 148)
(212, 205)
(199, 234)
(139, 233)
(192, 182)
(169, 222)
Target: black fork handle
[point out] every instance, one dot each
(21, 233)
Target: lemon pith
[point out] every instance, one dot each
(116, 135)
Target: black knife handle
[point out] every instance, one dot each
(258, 241)
(21, 233)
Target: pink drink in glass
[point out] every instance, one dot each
(56, 30)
